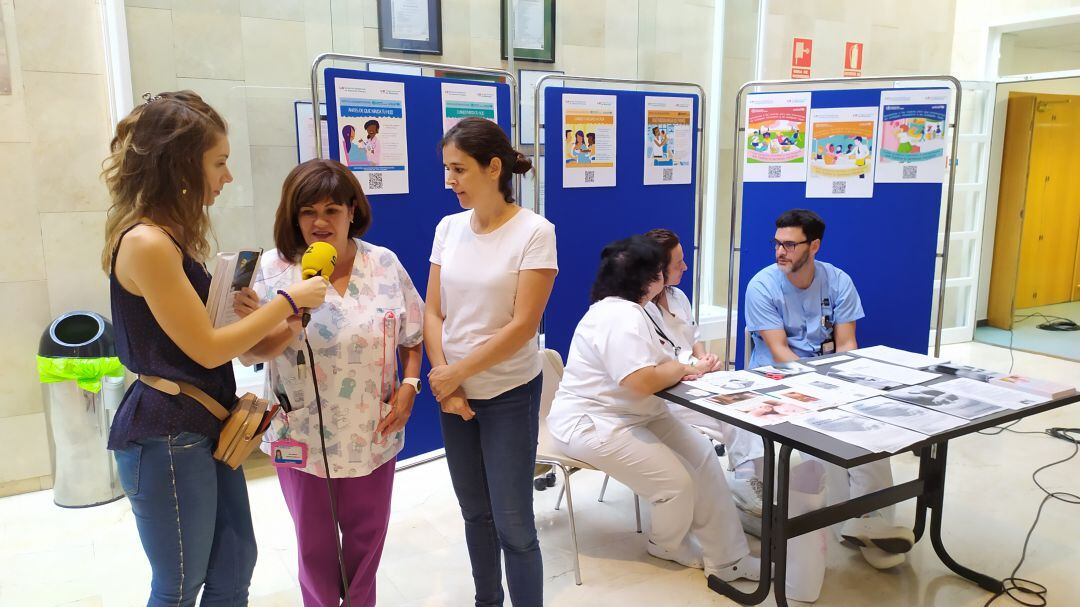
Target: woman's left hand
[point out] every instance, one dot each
(401, 404)
(444, 380)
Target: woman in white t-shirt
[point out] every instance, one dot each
(492, 270)
(744, 449)
(605, 413)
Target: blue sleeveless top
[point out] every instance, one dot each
(144, 348)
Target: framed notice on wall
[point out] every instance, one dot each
(534, 30)
(410, 26)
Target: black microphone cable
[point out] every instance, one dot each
(326, 466)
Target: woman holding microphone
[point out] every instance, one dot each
(372, 315)
(492, 270)
(167, 165)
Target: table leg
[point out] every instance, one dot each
(779, 528)
(925, 470)
(935, 495)
(767, 517)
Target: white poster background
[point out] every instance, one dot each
(930, 141)
(669, 154)
(589, 164)
(841, 173)
(788, 170)
(382, 162)
(305, 131)
(409, 20)
(461, 101)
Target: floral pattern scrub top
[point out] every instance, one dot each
(354, 337)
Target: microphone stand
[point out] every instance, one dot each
(326, 465)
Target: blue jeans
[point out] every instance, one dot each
(491, 459)
(194, 520)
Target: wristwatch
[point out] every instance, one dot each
(412, 381)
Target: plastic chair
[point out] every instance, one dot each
(548, 452)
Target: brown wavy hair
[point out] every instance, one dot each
(310, 183)
(155, 170)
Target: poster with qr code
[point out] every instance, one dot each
(461, 101)
(588, 140)
(776, 137)
(841, 152)
(668, 140)
(371, 133)
(911, 145)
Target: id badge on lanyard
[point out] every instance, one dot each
(387, 380)
(828, 346)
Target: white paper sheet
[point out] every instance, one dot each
(940, 399)
(893, 373)
(783, 369)
(726, 382)
(870, 434)
(828, 361)
(409, 20)
(905, 415)
(899, 357)
(829, 389)
(529, 24)
(1002, 397)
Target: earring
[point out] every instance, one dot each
(183, 192)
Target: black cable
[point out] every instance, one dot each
(326, 467)
(1014, 586)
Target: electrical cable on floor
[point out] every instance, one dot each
(1018, 588)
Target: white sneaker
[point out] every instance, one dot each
(879, 559)
(748, 494)
(688, 554)
(874, 531)
(751, 524)
(746, 568)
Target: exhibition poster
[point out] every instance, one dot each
(912, 144)
(371, 136)
(588, 140)
(461, 101)
(841, 152)
(776, 137)
(668, 140)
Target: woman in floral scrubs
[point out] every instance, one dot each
(372, 315)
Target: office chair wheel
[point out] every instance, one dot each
(540, 483)
(550, 479)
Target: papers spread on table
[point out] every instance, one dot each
(781, 370)
(831, 389)
(939, 399)
(839, 358)
(898, 357)
(905, 415)
(755, 408)
(872, 369)
(870, 434)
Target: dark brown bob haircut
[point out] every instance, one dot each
(310, 183)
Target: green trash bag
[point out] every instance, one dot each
(87, 372)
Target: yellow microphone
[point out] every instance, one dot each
(319, 260)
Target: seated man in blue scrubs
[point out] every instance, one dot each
(799, 308)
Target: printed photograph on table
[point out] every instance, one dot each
(841, 153)
(870, 434)
(912, 143)
(905, 415)
(732, 399)
(776, 410)
(946, 402)
(460, 101)
(589, 140)
(776, 137)
(371, 133)
(410, 26)
(668, 140)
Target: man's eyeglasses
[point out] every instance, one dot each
(788, 245)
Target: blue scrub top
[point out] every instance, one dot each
(772, 302)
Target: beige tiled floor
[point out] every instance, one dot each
(51, 556)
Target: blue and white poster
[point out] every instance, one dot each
(668, 140)
(371, 133)
(912, 144)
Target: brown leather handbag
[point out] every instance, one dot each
(243, 426)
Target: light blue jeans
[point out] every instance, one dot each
(194, 520)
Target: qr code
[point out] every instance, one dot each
(839, 187)
(774, 172)
(910, 171)
(669, 175)
(590, 176)
(375, 181)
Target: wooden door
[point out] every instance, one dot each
(1010, 216)
(1048, 246)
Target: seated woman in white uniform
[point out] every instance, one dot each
(605, 413)
(671, 309)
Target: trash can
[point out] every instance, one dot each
(85, 383)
